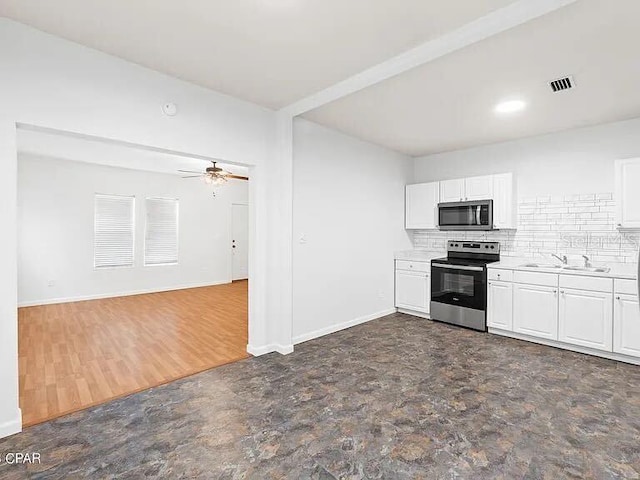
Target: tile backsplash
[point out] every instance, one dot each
(572, 225)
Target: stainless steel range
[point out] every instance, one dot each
(459, 283)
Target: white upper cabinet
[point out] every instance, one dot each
(628, 193)
(422, 199)
(452, 190)
(421, 205)
(504, 202)
(466, 189)
(478, 188)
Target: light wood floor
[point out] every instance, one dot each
(76, 355)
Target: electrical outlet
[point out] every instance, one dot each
(51, 283)
(381, 294)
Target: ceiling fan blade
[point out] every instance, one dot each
(192, 176)
(237, 177)
(189, 171)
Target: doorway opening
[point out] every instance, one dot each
(125, 281)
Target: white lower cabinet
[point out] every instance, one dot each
(626, 325)
(567, 310)
(535, 310)
(500, 305)
(413, 290)
(586, 319)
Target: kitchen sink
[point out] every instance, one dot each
(587, 269)
(541, 265)
(574, 268)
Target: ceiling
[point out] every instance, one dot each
(276, 52)
(270, 52)
(448, 104)
(53, 145)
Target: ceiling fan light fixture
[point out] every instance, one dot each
(219, 180)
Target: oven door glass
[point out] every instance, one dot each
(476, 215)
(455, 285)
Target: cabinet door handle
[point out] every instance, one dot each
(618, 298)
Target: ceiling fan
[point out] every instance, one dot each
(214, 175)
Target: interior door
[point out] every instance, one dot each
(240, 241)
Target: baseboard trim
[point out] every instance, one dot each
(341, 326)
(565, 346)
(271, 348)
(83, 298)
(12, 426)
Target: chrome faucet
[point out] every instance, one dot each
(563, 258)
(587, 263)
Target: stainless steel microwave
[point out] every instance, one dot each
(472, 215)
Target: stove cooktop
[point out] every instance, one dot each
(464, 261)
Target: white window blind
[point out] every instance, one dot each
(113, 231)
(161, 232)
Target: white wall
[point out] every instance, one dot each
(577, 161)
(349, 205)
(55, 231)
(53, 83)
(565, 188)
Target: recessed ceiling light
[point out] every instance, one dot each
(510, 106)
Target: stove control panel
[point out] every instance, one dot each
(465, 246)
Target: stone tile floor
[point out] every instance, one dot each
(396, 398)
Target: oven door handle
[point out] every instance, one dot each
(478, 215)
(457, 267)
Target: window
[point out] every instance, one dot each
(161, 232)
(113, 231)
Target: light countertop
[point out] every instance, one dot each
(419, 255)
(627, 271)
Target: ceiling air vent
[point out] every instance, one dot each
(562, 84)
